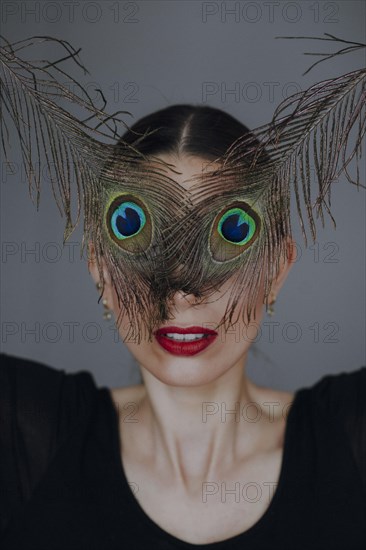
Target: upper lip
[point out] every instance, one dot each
(185, 330)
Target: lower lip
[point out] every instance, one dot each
(185, 348)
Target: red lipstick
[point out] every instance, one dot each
(165, 337)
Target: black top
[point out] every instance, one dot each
(62, 483)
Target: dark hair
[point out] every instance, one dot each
(195, 130)
(200, 131)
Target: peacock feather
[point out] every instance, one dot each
(154, 236)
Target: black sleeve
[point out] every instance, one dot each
(344, 397)
(38, 407)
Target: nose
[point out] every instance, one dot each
(185, 300)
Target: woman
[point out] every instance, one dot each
(197, 456)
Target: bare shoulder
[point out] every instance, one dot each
(284, 397)
(276, 402)
(127, 401)
(128, 394)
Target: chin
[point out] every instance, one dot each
(185, 371)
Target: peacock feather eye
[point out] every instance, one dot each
(234, 229)
(129, 223)
(236, 226)
(127, 220)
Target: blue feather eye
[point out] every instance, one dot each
(127, 220)
(233, 231)
(236, 226)
(129, 224)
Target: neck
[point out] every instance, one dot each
(198, 432)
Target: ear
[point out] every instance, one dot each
(286, 264)
(94, 272)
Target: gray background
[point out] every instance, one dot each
(147, 55)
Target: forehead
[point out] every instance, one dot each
(185, 169)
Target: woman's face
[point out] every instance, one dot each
(185, 363)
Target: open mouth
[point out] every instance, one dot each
(185, 337)
(185, 340)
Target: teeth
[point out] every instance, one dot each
(184, 337)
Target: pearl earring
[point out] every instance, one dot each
(270, 310)
(107, 315)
